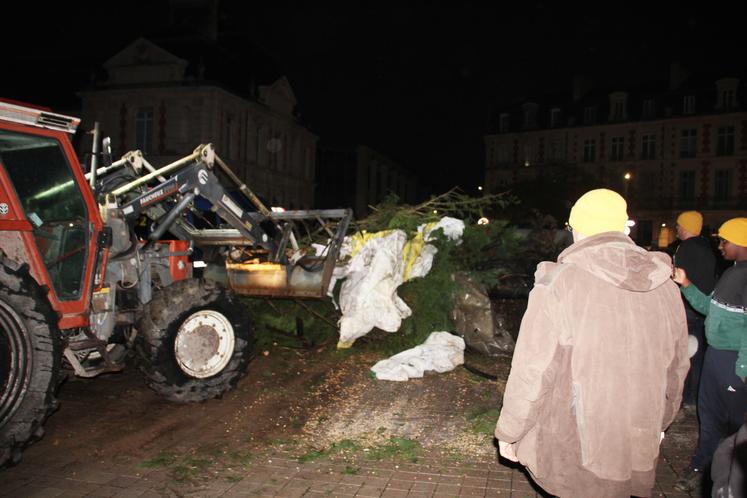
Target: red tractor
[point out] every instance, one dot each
(80, 287)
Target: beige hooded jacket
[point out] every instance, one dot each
(598, 369)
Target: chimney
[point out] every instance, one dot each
(581, 86)
(677, 75)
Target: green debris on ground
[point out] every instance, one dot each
(200, 463)
(344, 447)
(164, 459)
(394, 448)
(293, 323)
(482, 420)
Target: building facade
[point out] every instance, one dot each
(164, 105)
(666, 150)
(360, 177)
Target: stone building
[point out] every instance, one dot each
(359, 177)
(168, 97)
(667, 148)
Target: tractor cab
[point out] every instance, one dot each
(47, 211)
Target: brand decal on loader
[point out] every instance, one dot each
(157, 195)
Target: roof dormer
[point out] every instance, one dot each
(726, 93)
(618, 106)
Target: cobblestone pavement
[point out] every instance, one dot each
(44, 473)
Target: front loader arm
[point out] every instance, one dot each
(197, 179)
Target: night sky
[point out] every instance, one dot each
(414, 81)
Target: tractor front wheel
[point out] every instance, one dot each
(30, 356)
(194, 341)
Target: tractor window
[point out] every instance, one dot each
(53, 205)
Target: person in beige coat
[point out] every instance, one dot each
(600, 361)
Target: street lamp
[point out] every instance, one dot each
(627, 177)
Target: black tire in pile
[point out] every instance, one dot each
(194, 341)
(30, 357)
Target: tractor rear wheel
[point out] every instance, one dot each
(30, 356)
(194, 341)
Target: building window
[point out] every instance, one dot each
(503, 154)
(618, 101)
(687, 185)
(554, 118)
(649, 108)
(227, 138)
(725, 145)
(144, 130)
(617, 149)
(618, 110)
(688, 104)
(554, 150)
(590, 115)
(723, 185)
(590, 150)
(688, 142)
(648, 146)
(503, 123)
(529, 115)
(727, 93)
(728, 98)
(529, 155)
(491, 154)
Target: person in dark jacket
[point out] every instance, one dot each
(722, 398)
(729, 468)
(696, 257)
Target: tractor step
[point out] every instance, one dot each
(102, 360)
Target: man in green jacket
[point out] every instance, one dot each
(722, 398)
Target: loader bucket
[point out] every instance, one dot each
(276, 280)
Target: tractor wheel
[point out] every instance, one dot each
(30, 356)
(194, 341)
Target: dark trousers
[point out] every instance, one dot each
(695, 328)
(722, 403)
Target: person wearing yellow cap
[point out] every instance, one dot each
(722, 397)
(695, 256)
(599, 362)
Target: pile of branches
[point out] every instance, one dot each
(492, 254)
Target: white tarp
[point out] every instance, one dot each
(441, 352)
(368, 296)
(379, 264)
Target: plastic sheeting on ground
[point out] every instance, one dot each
(379, 263)
(441, 352)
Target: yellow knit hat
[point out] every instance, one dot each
(735, 231)
(692, 221)
(599, 211)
